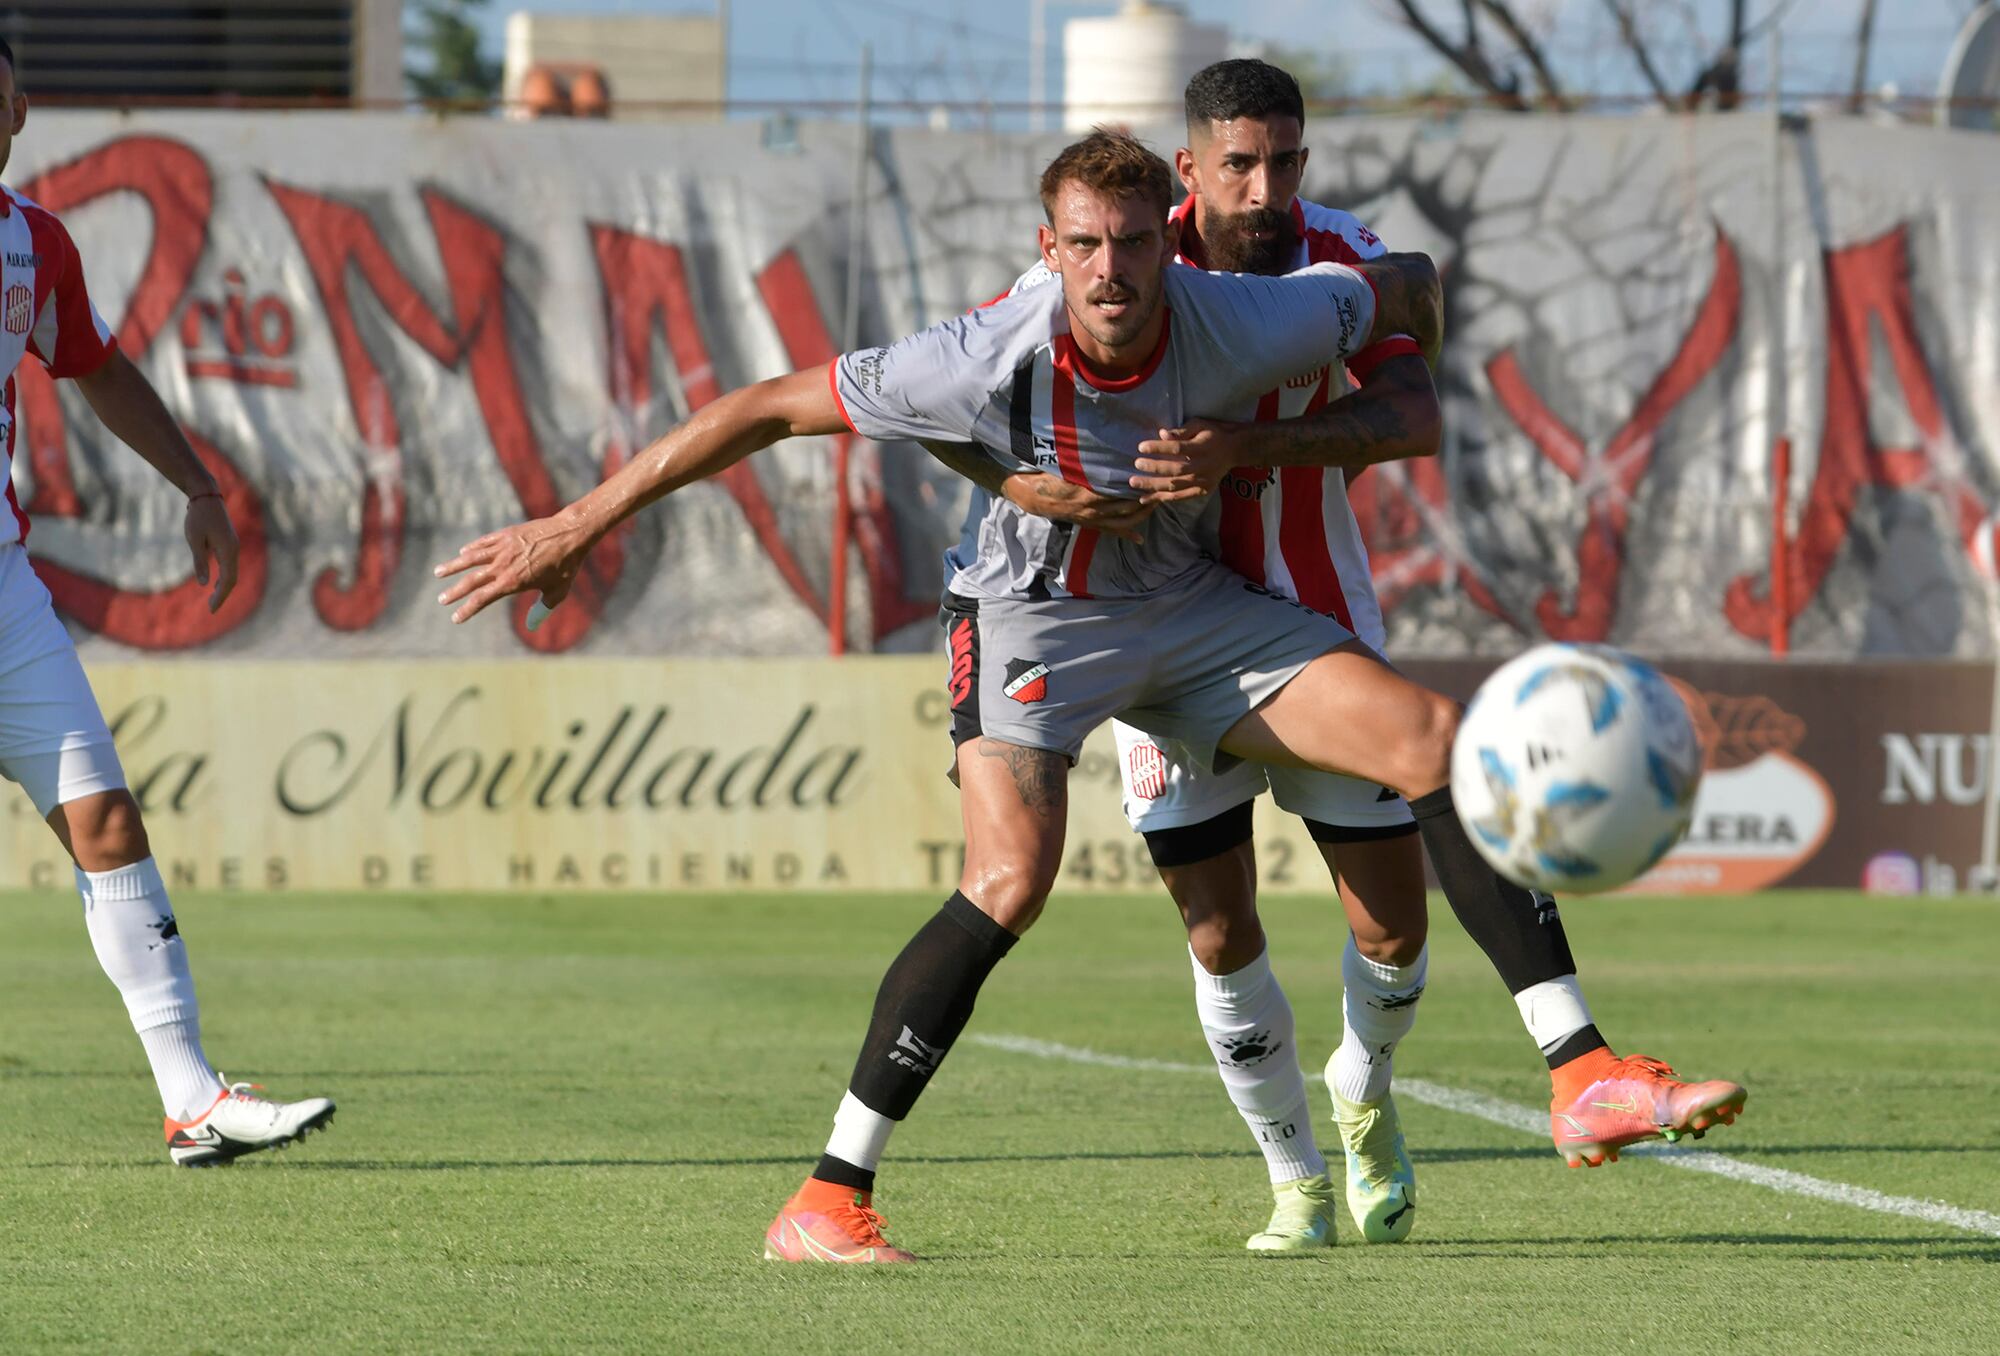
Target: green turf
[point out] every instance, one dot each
(565, 1123)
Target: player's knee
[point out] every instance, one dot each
(1427, 749)
(1011, 893)
(1398, 948)
(1224, 943)
(106, 832)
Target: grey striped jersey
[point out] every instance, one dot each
(1009, 378)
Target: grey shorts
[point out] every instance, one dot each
(1183, 665)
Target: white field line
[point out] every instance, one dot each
(1529, 1121)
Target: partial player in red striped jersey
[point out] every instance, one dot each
(53, 740)
(1282, 518)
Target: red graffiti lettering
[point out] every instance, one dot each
(338, 240)
(175, 183)
(1611, 479)
(1404, 514)
(788, 296)
(645, 285)
(1867, 293)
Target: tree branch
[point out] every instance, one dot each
(1628, 29)
(1529, 48)
(1864, 38)
(1467, 56)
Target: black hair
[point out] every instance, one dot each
(1242, 88)
(7, 53)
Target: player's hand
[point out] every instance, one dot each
(1188, 462)
(1052, 497)
(543, 554)
(211, 538)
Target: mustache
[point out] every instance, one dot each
(1259, 219)
(1113, 292)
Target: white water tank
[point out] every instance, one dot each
(1131, 67)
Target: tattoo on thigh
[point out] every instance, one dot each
(1039, 776)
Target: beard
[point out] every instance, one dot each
(1233, 248)
(1141, 298)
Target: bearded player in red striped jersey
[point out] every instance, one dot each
(53, 740)
(1283, 520)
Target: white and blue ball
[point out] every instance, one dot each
(1575, 768)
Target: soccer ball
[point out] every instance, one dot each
(1575, 768)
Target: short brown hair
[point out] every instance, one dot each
(1115, 164)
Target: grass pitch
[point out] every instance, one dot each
(565, 1122)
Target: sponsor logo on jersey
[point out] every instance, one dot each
(867, 369)
(1027, 681)
(23, 260)
(1249, 482)
(1350, 320)
(1149, 771)
(1366, 236)
(20, 307)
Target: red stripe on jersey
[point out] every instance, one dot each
(20, 518)
(1302, 531)
(1062, 416)
(1062, 411)
(1242, 527)
(1078, 576)
(1363, 364)
(1302, 540)
(79, 348)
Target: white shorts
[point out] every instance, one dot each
(53, 740)
(1165, 789)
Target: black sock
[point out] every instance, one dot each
(1576, 1045)
(1517, 928)
(925, 1000)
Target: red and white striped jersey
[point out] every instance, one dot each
(45, 312)
(1291, 528)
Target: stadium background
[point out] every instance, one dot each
(1719, 386)
(578, 926)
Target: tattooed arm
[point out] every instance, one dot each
(1044, 495)
(1394, 415)
(1408, 300)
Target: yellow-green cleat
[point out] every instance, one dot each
(1381, 1184)
(1302, 1220)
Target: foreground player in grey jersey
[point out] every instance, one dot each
(1072, 628)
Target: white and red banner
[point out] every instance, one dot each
(388, 334)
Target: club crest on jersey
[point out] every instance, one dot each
(1027, 681)
(20, 309)
(1307, 380)
(1149, 771)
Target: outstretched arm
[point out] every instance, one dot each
(1394, 415)
(546, 553)
(128, 405)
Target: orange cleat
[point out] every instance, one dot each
(827, 1223)
(1633, 1099)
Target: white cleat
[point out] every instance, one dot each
(237, 1123)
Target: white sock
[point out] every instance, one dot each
(859, 1135)
(1378, 1008)
(138, 943)
(1553, 1011)
(1248, 1023)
